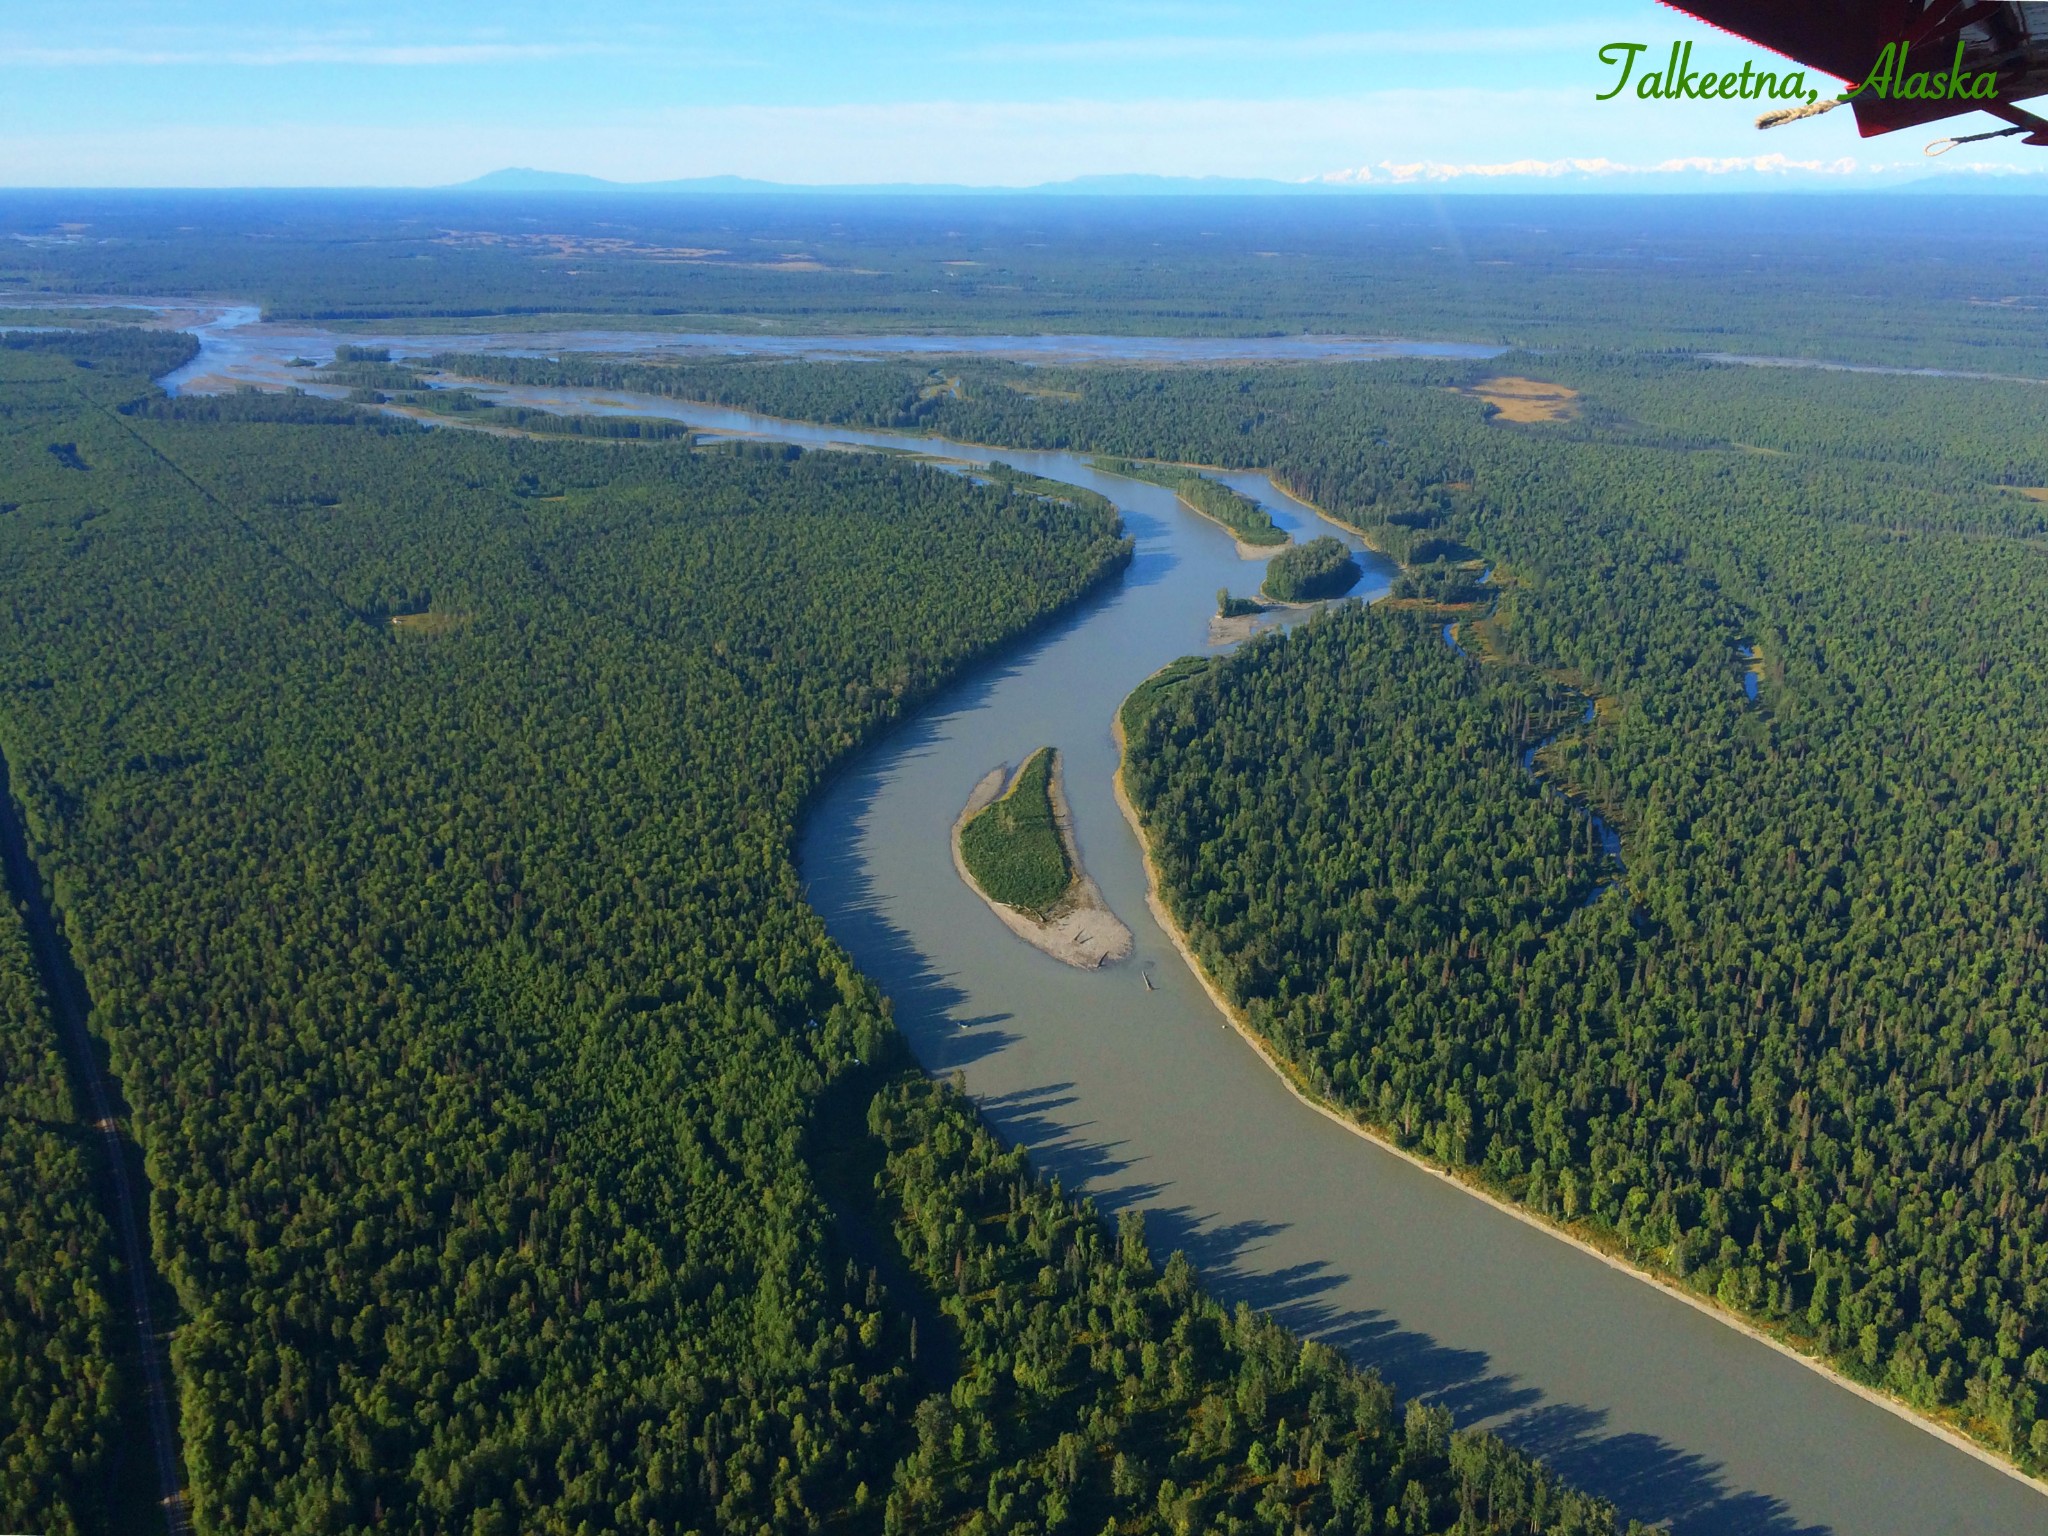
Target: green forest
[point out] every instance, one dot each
(1797, 1053)
(523, 1155)
(1323, 567)
(1863, 278)
(1147, 1405)
(1240, 514)
(1012, 846)
(60, 1400)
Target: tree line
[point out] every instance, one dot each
(60, 1397)
(1798, 1055)
(493, 1076)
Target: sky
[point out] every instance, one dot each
(110, 93)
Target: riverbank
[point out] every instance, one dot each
(1245, 551)
(1242, 626)
(1584, 1241)
(1080, 930)
(1663, 1410)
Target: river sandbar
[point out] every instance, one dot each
(1080, 930)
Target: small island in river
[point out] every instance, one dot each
(1258, 537)
(1306, 573)
(1015, 847)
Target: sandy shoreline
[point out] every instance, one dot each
(1081, 931)
(1237, 1021)
(1243, 626)
(1238, 627)
(1244, 551)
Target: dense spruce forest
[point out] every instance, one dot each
(1148, 1406)
(59, 1397)
(1308, 572)
(1013, 848)
(524, 1156)
(1797, 1052)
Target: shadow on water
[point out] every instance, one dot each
(1150, 568)
(1642, 1475)
(1060, 1148)
(925, 1003)
(1647, 1478)
(927, 1006)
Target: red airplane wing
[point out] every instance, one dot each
(1847, 38)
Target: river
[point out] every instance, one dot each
(238, 347)
(1146, 1099)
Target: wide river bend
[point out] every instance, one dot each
(1147, 1099)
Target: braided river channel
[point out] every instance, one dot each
(1144, 1097)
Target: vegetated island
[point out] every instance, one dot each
(1015, 847)
(1298, 576)
(1309, 572)
(1257, 534)
(1236, 618)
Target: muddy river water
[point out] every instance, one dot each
(1145, 1098)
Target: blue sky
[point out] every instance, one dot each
(367, 92)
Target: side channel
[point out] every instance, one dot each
(1148, 1099)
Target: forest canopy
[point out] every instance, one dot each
(1856, 278)
(1013, 847)
(524, 1156)
(1321, 568)
(1797, 1053)
(60, 1403)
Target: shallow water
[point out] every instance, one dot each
(1750, 360)
(239, 347)
(1147, 1099)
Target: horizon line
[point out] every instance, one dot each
(1103, 186)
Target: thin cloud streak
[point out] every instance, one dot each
(400, 56)
(1388, 139)
(1390, 173)
(1407, 42)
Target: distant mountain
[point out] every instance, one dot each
(1769, 174)
(521, 179)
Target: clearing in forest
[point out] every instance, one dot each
(1526, 400)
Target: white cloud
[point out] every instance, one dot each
(1393, 173)
(1412, 137)
(1994, 169)
(1276, 45)
(384, 55)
